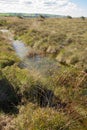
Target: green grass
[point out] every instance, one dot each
(55, 100)
(7, 54)
(54, 36)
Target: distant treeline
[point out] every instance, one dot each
(31, 15)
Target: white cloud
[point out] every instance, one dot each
(64, 7)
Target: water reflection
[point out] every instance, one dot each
(20, 49)
(42, 64)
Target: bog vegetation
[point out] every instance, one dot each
(56, 100)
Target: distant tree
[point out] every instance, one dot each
(69, 17)
(20, 17)
(41, 16)
(82, 17)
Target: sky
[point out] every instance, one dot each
(73, 8)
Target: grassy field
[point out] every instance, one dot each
(56, 100)
(63, 38)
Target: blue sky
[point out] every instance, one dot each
(60, 7)
(82, 3)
